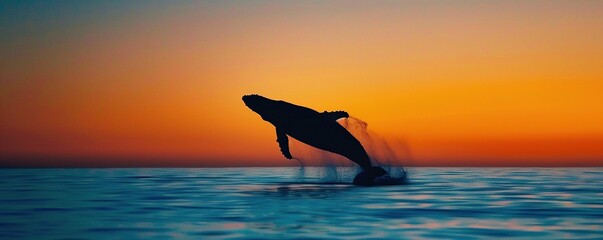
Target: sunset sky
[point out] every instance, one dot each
(146, 83)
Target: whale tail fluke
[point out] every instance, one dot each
(366, 177)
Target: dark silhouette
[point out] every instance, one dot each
(316, 129)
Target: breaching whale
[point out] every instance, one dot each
(319, 130)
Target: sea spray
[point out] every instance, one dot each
(324, 166)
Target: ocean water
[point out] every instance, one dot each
(277, 203)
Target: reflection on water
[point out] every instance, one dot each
(222, 203)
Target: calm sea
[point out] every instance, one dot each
(276, 203)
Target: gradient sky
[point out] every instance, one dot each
(145, 83)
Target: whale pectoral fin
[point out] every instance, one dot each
(283, 143)
(336, 115)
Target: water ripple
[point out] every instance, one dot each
(260, 203)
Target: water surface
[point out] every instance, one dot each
(221, 203)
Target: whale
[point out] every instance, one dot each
(318, 129)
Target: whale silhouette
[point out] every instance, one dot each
(319, 130)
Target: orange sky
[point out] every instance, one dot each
(465, 83)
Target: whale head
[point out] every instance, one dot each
(261, 105)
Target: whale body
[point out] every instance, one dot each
(317, 129)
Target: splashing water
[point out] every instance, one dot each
(336, 168)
